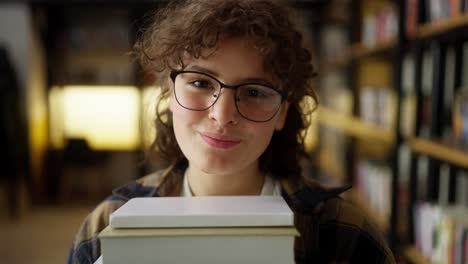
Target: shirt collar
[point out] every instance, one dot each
(270, 187)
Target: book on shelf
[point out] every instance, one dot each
(378, 106)
(422, 165)
(411, 19)
(455, 7)
(95, 48)
(427, 88)
(380, 25)
(332, 154)
(461, 195)
(437, 10)
(334, 42)
(441, 232)
(449, 91)
(335, 93)
(211, 229)
(408, 97)
(374, 183)
(460, 104)
(88, 31)
(444, 181)
(338, 98)
(460, 118)
(403, 195)
(464, 62)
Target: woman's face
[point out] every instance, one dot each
(219, 140)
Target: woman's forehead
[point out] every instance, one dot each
(236, 56)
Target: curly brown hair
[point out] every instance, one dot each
(189, 27)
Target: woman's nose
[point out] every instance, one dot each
(224, 111)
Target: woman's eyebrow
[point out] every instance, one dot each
(258, 80)
(202, 70)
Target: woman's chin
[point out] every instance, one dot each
(217, 169)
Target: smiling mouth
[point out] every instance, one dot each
(219, 142)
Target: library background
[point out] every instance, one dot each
(392, 119)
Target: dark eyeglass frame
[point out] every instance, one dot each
(173, 75)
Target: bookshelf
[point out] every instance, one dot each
(334, 64)
(432, 29)
(354, 126)
(362, 50)
(364, 71)
(426, 129)
(87, 47)
(438, 155)
(359, 51)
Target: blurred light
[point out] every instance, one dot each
(311, 132)
(106, 116)
(150, 95)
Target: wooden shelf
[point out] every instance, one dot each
(329, 168)
(439, 27)
(414, 256)
(441, 151)
(354, 126)
(358, 51)
(362, 50)
(357, 199)
(333, 65)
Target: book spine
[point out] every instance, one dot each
(440, 232)
(412, 17)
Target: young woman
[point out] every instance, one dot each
(234, 73)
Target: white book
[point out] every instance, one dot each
(229, 245)
(98, 261)
(205, 211)
(216, 229)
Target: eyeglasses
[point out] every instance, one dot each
(199, 91)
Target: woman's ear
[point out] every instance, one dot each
(283, 113)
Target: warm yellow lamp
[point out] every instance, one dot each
(106, 116)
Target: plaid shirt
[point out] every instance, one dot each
(332, 230)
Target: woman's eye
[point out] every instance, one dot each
(255, 93)
(202, 84)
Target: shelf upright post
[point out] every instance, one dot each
(435, 130)
(397, 79)
(354, 36)
(413, 178)
(453, 171)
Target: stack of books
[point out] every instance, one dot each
(441, 232)
(211, 229)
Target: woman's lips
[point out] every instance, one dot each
(219, 141)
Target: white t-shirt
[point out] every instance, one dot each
(270, 187)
